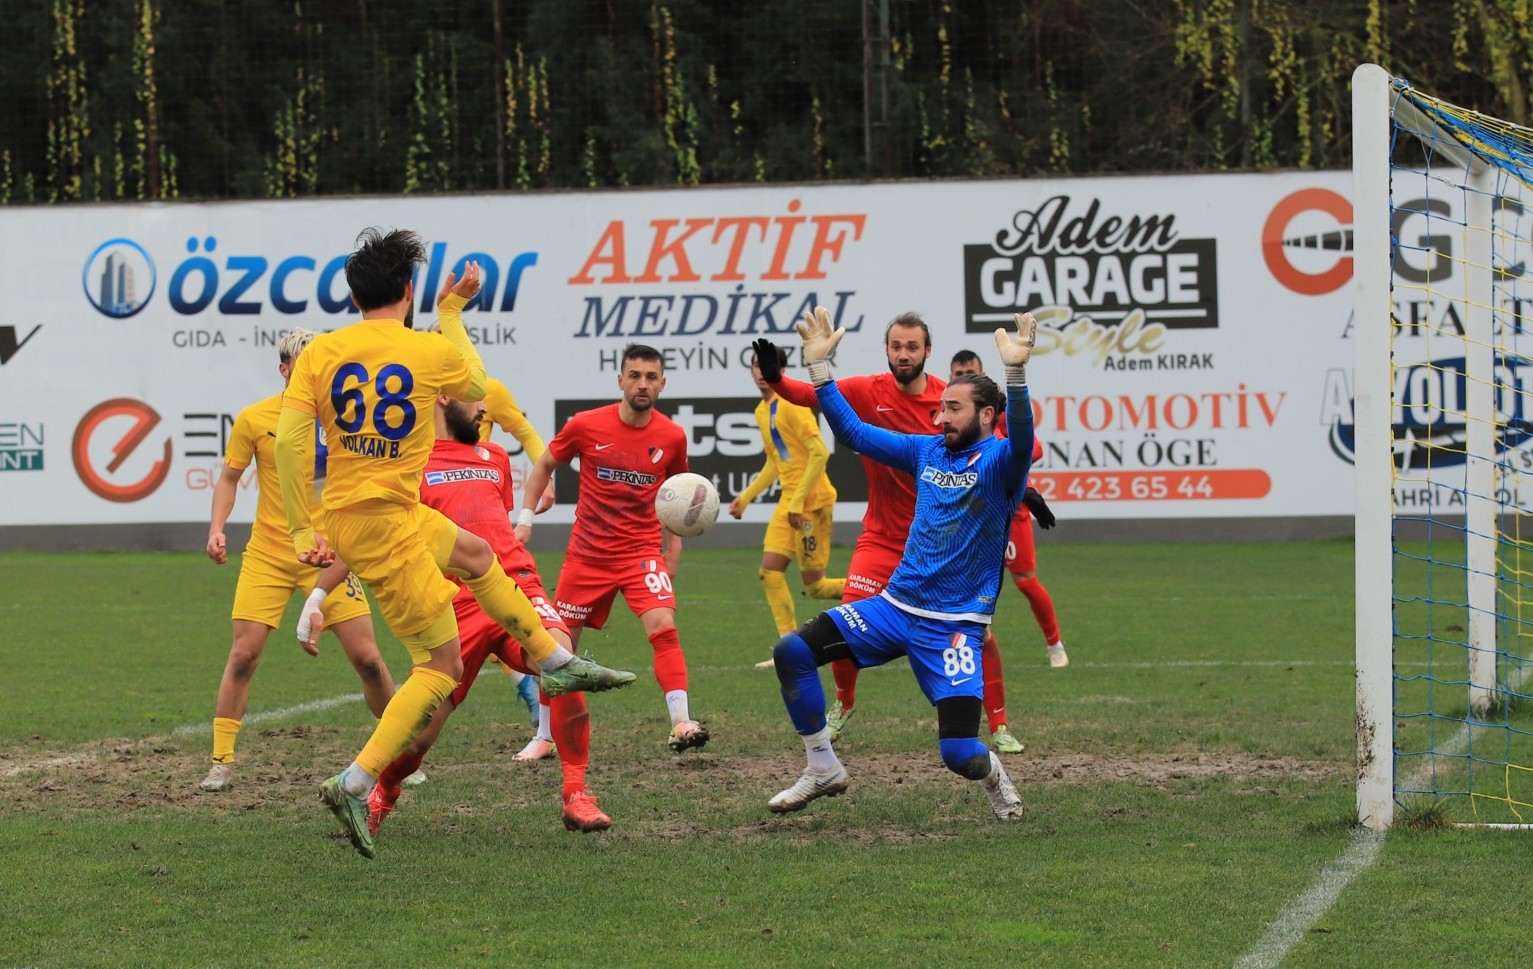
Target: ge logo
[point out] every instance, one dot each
(1307, 242)
(97, 464)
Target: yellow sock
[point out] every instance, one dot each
(826, 589)
(224, 732)
(405, 717)
(506, 604)
(779, 600)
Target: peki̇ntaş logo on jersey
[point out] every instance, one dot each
(1106, 266)
(119, 278)
(219, 279)
(1428, 428)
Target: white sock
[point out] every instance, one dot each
(517, 676)
(822, 757)
(1058, 645)
(545, 718)
(676, 703)
(558, 659)
(356, 781)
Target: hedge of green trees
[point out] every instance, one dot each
(153, 99)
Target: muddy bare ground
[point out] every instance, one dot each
(280, 769)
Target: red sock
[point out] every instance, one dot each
(1043, 608)
(845, 673)
(571, 728)
(670, 664)
(995, 683)
(403, 766)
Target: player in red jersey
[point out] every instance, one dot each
(906, 399)
(626, 450)
(1022, 563)
(470, 483)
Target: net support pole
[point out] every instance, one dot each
(1371, 274)
(1480, 504)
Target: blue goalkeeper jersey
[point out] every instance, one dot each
(951, 568)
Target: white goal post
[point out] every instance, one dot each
(1444, 478)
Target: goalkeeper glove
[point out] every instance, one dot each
(767, 360)
(1017, 350)
(1039, 508)
(820, 337)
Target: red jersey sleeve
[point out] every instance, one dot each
(798, 392)
(566, 444)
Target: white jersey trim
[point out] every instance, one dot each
(983, 618)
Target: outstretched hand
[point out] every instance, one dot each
(767, 360)
(1017, 348)
(819, 336)
(467, 287)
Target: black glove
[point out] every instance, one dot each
(1040, 508)
(767, 358)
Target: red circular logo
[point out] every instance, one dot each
(1274, 250)
(145, 419)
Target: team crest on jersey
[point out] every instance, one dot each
(655, 454)
(484, 454)
(972, 458)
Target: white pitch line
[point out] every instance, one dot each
(1294, 923)
(313, 706)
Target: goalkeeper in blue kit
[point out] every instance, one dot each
(939, 600)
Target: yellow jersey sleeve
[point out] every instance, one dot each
(469, 381)
(240, 450)
(501, 408)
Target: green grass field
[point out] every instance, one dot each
(1188, 777)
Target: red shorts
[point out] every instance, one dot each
(480, 636)
(869, 571)
(586, 588)
(1020, 554)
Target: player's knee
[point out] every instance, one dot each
(369, 668)
(245, 654)
(965, 756)
(792, 653)
(472, 554)
(242, 663)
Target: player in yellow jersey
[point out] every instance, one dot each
(800, 527)
(269, 575)
(373, 385)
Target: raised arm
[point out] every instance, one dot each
(450, 301)
(884, 446)
(1016, 350)
(793, 391)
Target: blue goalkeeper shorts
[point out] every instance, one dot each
(944, 653)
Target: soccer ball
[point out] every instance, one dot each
(687, 504)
